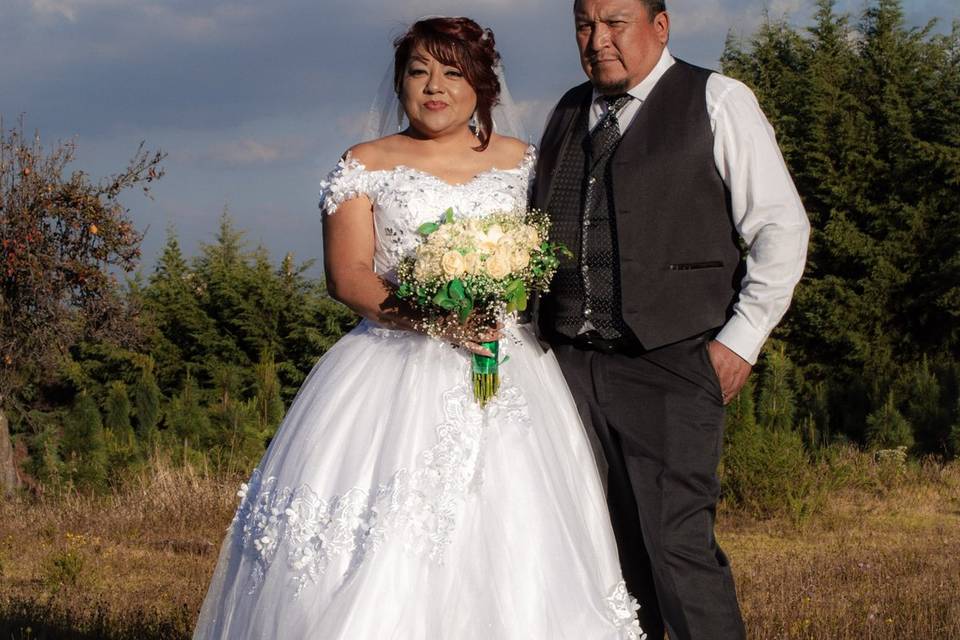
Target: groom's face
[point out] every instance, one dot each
(620, 42)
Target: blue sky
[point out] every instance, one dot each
(254, 101)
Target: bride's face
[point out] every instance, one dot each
(436, 97)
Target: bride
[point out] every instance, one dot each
(389, 505)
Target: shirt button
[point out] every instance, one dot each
(586, 223)
(585, 268)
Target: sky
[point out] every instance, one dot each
(254, 101)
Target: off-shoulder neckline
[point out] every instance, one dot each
(351, 162)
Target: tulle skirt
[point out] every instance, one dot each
(389, 506)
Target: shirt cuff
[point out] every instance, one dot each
(742, 338)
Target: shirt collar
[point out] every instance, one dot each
(643, 89)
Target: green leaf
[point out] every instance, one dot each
(464, 312)
(513, 286)
(442, 300)
(456, 290)
(448, 215)
(517, 299)
(427, 228)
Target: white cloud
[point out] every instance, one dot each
(247, 152)
(66, 9)
(70, 10)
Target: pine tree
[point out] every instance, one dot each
(188, 417)
(269, 404)
(184, 330)
(83, 443)
(117, 419)
(220, 273)
(777, 406)
(741, 412)
(887, 428)
(146, 398)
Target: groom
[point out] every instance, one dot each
(653, 172)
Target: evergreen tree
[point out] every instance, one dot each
(187, 415)
(184, 330)
(83, 443)
(924, 405)
(117, 419)
(777, 406)
(954, 434)
(146, 398)
(887, 428)
(269, 404)
(221, 274)
(741, 412)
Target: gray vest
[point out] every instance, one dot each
(587, 288)
(680, 262)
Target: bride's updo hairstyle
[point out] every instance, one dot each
(460, 43)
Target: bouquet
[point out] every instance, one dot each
(477, 271)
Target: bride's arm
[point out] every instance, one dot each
(348, 247)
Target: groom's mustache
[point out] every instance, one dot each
(596, 59)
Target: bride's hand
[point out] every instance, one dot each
(471, 334)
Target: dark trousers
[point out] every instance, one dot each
(658, 421)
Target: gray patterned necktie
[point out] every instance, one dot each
(607, 132)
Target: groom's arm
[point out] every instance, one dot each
(769, 216)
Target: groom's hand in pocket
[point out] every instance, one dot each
(732, 370)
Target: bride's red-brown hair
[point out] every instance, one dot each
(460, 43)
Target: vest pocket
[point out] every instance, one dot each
(693, 266)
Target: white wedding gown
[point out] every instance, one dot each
(389, 506)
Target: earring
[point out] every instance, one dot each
(475, 124)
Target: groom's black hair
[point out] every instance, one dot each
(655, 7)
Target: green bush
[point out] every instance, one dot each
(887, 428)
(767, 472)
(63, 568)
(84, 445)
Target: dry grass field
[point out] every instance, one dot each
(880, 559)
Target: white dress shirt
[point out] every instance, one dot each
(767, 211)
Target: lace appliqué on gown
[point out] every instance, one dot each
(623, 612)
(418, 507)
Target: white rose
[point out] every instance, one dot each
(498, 265)
(506, 244)
(533, 236)
(471, 263)
(520, 259)
(453, 264)
(421, 270)
(494, 233)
